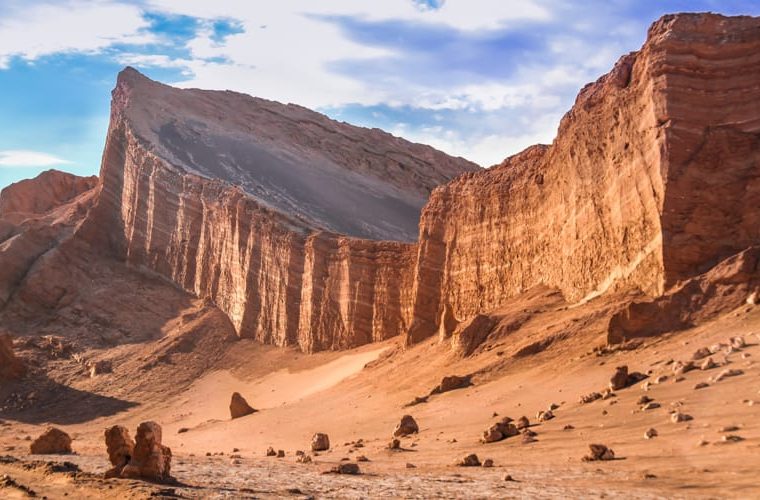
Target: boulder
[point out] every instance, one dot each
(700, 353)
(121, 447)
(591, 397)
(347, 468)
(523, 422)
(151, 460)
(488, 462)
(271, 452)
(677, 417)
(395, 444)
(470, 460)
(708, 364)
(500, 430)
(452, 382)
(599, 452)
(619, 379)
(320, 442)
(239, 407)
(650, 433)
(406, 427)
(53, 441)
(728, 372)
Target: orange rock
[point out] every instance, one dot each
(151, 460)
(121, 447)
(10, 366)
(239, 407)
(53, 441)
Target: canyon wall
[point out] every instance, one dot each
(280, 277)
(653, 178)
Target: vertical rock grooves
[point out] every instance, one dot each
(654, 177)
(278, 214)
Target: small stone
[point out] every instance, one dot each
(650, 406)
(395, 444)
(488, 462)
(650, 433)
(701, 385)
(508, 478)
(470, 460)
(729, 428)
(410, 466)
(280, 453)
(362, 458)
(677, 417)
(661, 379)
(732, 438)
(568, 427)
(644, 400)
(347, 468)
(728, 372)
(523, 422)
(599, 452)
(708, 364)
(700, 353)
(271, 452)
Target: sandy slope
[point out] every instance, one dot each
(330, 392)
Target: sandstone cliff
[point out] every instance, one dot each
(654, 177)
(237, 199)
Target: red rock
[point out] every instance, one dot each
(239, 407)
(406, 427)
(10, 366)
(51, 442)
(151, 460)
(120, 447)
(320, 442)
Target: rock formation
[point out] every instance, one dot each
(53, 441)
(151, 460)
(120, 447)
(249, 216)
(640, 189)
(302, 230)
(10, 366)
(320, 442)
(239, 407)
(406, 427)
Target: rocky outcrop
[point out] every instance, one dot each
(10, 366)
(653, 178)
(45, 192)
(151, 460)
(120, 447)
(263, 250)
(722, 289)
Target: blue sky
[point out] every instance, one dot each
(478, 78)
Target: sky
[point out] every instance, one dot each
(481, 79)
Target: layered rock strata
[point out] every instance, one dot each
(654, 177)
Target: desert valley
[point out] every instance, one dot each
(253, 300)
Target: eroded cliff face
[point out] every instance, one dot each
(279, 275)
(653, 178)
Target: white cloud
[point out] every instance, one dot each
(34, 31)
(24, 158)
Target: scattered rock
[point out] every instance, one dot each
(701, 353)
(708, 364)
(737, 342)
(451, 383)
(280, 453)
(151, 460)
(677, 417)
(239, 407)
(599, 452)
(644, 400)
(395, 444)
(650, 406)
(121, 447)
(732, 438)
(728, 372)
(271, 452)
(528, 438)
(591, 397)
(701, 385)
(661, 379)
(729, 428)
(681, 367)
(500, 430)
(488, 462)
(619, 379)
(303, 458)
(470, 460)
(362, 458)
(650, 433)
(543, 416)
(417, 401)
(347, 468)
(406, 427)
(568, 427)
(183, 430)
(53, 441)
(410, 466)
(523, 422)
(320, 442)
(508, 478)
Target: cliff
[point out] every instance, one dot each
(654, 177)
(238, 200)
